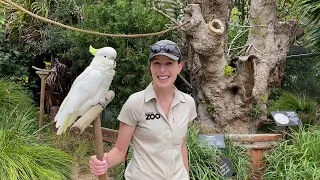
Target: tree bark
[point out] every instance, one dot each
(235, 103)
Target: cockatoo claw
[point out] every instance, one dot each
(104, 103)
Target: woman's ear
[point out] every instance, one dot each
(181, 64)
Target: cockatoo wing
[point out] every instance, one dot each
(83, 90)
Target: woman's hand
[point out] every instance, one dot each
(99, 167)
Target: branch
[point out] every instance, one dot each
(303, 55)
(185, 81)
(164, 14)
(235, 38)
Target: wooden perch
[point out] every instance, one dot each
(84, 121)
(44, 70)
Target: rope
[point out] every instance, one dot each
(88, 31)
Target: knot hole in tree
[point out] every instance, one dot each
(216, 26)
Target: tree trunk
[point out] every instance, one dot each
(235, 102)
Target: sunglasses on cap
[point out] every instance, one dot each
(167, 48)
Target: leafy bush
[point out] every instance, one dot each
(297, 158)
(15, 63)
(305, 107)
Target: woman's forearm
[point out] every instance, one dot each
(115, 156)
(184, 151)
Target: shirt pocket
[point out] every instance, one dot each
(180, 124)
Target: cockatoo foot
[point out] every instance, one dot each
(103, 102)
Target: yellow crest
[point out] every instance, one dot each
(92, 50)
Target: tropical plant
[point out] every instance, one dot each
(311, 10)
(305, 107)
(297, 158)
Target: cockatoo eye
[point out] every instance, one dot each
(105, 56)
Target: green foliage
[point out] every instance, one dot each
(203, 159)
(228, 70)
(13, 95)
(21, 157)
(311, 10)
(305, 107)
(20, 160)
(288, 9)
(21, 121)
(297, 158)
(15, 63)
(79, 147)
(255, 110)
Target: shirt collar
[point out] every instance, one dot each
(150, 94)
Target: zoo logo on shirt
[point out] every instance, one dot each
(152, 116)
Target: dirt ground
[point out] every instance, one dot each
(78, 175)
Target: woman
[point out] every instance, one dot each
(156, 120)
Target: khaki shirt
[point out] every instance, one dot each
(157, 140)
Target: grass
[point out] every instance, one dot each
(22, 155)
(21, 160)
(297, 158)
(203, 159)
(305, 107)
(13, 95)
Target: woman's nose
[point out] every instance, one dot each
(162, 68)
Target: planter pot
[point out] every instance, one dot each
(257, 145)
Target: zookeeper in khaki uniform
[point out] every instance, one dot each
(156, 120)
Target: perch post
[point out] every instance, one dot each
(43, 74)
(93, 115)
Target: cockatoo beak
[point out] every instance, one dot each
(92, 50)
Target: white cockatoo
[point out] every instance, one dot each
(89, 88)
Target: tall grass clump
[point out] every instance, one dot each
(305, 107)
(13, 95)
(297, 158)
(203, 159)
(22, 155)
(21, 160)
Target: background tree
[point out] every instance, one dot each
(232, 93)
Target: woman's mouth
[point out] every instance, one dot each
(163, 77)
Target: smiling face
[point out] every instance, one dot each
(164, 71)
